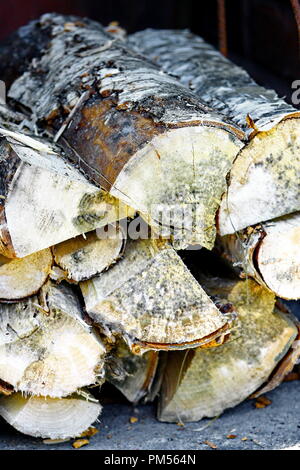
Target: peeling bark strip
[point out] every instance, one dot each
(45, 346)
(264, 180)
(269, 253)
(51, 418)
(44, 200)
(151, 298)
(137, 132)
(206, 382)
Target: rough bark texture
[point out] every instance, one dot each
(132, 129)
(44, 200)
(269, 253)
(151, 298)
(203, 383)
(45, 346)
(51, 418)
(220, 83)
(264, 180)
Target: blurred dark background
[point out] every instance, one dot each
(261, 34)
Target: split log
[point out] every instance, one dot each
(86, 256)
(153, 301)
(53, 418)
(269, 253)
(204, 383)
(287, 363)
(264, 180)
(133, 375)
(20, 278)
(138, 133)
(46, 348)
(44, 200)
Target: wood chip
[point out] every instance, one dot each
(210, 444)
(55, 441)
(291, 377)
(133, 419)
(262, 402)
(80, 443)
(90, 432)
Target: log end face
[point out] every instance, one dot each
(264, 181)
(176, 181)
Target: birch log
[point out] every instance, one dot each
(45, 346)
(134, 130)
(20, 278)
(44, 200)
(53, 418)
(264, 180)
(86, 256)
(204, 383)
(269, 253)
(153, 301)
(133, 375)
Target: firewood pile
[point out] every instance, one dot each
(123, 158)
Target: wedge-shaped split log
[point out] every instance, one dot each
(46, 348)
(204, 383)
(52, 418)
(23, 277)
(151, 298)
(137, 132)
(86, 256)
(264, 180)
(130, 373)
(44, 200)
(269, 253)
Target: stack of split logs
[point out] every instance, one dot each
(101, 131)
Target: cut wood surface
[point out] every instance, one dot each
(44, 200)
(45, 346)
(269, 253)
(264, 180)
(151, 298)
(133, 375)
(137, 132)
(20, 278)
(53, 418)
(85, 256)
(203, 383)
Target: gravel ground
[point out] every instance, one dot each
(274, 427)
